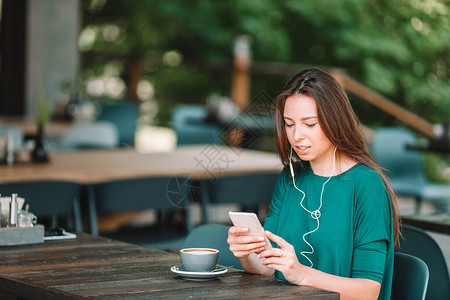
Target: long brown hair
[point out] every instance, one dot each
(337, 120)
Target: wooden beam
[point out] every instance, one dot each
(383, 103)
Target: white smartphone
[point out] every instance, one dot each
(251, 221)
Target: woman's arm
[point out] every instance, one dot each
(348, 288)
(285, 260)
(243, 246)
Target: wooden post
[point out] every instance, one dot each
(240, 85)
(134, 75)
(241, 78)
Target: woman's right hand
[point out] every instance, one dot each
(243, 245)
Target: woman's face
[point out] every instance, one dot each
(304, 132)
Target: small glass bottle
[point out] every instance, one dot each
(13, 207)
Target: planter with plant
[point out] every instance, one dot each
(44, 110)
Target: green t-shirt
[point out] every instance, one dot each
(355, 236)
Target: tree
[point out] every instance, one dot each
(398, 48)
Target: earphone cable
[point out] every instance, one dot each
(316, 213)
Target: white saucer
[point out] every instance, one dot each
(218, 271)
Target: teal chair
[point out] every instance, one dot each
(419, 243)
(249, 191)
(213, 236)
(165, 195)
(54, 201)
(123, 114)
(410, 279)
(404, 167)
(190, 125)
(95, 135)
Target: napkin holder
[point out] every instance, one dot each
(17, 235)
(4, 202)
(21, 235)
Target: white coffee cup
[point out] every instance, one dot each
(199, 259)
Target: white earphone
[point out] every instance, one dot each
(315, 214)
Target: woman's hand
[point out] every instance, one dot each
(243, 245)
(283, 259)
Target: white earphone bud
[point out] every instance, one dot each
(315, 214)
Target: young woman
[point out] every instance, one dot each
(333, 218)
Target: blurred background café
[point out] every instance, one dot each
(130, 82)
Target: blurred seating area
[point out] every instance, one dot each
(410, 278)
(165, 195)
(16, 136)
(115, 126)
(124, 115)
(90, 135)
(251, 192)
(404, 168)
(143, 198)
(56, 203)
(422, 245)
(191, 126)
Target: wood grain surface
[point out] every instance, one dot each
(100, 268)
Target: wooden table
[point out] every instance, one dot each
(93, 166)
(436, 222)
(106, 269)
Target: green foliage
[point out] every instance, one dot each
(435, 166)
(44, 110)
(398, 48)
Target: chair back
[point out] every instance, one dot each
(419, 243)
(404, 167)
(163, 194)
(49, 198)
(188, 122)
(410, 278)
(248, 190)
(213, 236)
(124, 115)
(93, 135)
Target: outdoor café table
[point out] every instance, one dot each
(88, 167)
(100, 268)
(94, 166)
(439, 222)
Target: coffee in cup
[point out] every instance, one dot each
(199, 259)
